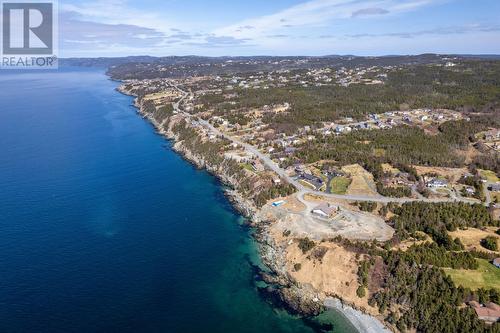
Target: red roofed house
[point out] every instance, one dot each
(496, 262)
(489, 312)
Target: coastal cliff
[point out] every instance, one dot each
(280, 286)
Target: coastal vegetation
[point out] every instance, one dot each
(211, 154)
(436, 219)
(305, 245)
(424, 288)
(427, 299)
(439, 256)
(363, 271)
(367, 206)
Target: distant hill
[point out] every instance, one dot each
(148, 67)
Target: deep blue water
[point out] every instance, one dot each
(104, 229)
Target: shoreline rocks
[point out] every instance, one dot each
(281, 288)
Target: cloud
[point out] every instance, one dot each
(451, 30)
(220, 41)
(278, 36)
(318, 13)
(94, 34)
(181, 36)
(369, 12)
(116, 27)
(116, 12)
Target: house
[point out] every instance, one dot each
(325, 210)
(491, 135)
(489, 312)
(496, 262)
(470, 190)
(494, 187)
(363, 126)
(437, 183)
(339, 129)
(257, 166)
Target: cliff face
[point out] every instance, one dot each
(280, 287)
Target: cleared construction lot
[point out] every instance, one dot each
(347, 223)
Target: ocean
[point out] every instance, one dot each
(103, 228)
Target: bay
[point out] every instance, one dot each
(103, 228)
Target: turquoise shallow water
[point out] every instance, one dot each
(104, 229)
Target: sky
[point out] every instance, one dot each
(277, 27)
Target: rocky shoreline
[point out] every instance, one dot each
(281, 288)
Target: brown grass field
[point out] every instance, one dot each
(362, 181)
(471, 238)
(453, 174)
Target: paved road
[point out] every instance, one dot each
(301, 188)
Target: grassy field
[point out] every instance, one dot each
(247, 166)
(339, 185)
(362, 181)
(486, 276)
(471, 238)
(489, 175)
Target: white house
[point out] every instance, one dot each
(325, 210)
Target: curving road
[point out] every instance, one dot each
(302, 190)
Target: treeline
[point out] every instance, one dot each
(363, 273)
(488, 162)
(461, 132)
(398, 145)
(435, 219)
(413, 293)
(275, 191)
(366, 206)
(472, 86)
(395, 192)
(160, 113)
(435, 255)
(423, 298)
